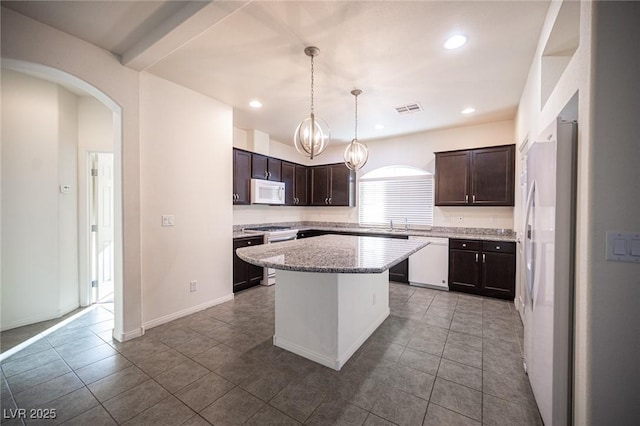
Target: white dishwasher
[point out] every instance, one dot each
(429, 266)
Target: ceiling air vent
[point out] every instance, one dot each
(408, 109)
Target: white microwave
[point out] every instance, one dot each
(267, 192)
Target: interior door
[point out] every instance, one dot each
(102, 231)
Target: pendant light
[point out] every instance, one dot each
(312, 136)
(356, 154)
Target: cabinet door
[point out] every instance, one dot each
(289, 178)
(492, 176)
(464, 270)
(498, 275)
(342, 184)
(245, 275)
(452, 178)
(242, 177)
(319, 185)
(300, 191)
(259, 166)
(274, 169)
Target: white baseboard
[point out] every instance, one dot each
(39, 318)
(341, 360)
(192, 310)
(123, 337)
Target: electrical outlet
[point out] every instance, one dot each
(193, 286)
(168, 220)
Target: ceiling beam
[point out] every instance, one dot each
(192, 20)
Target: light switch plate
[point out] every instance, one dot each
(623, 247)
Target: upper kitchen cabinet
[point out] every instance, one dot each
(332, 185)
(241, 177)
(264, 167)
(294, 177)
(476, 177)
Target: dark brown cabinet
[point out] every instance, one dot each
(263, 167)
(294, 177)
(245, 275)
(487, 268)
(241, 177)
(332, 185)
(475, 177)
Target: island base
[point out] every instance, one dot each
(326, 317)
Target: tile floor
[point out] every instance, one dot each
(439, 359)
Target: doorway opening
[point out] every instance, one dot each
(101, 247)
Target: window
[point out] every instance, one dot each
(396, 193)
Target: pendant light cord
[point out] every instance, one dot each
(356, 120)
(312, 84)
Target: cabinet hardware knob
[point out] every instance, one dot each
(497, 247)
(249, 243)
(476, 257)
(330, 200)
(326, 201)
(474, 198)
(484, 258)
(466, 198)
(464, 245)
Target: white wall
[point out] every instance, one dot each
(101, 73)
(39, 224)
(414, 150)
(186, 171)
(604, 74)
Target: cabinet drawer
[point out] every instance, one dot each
(464, 244)
(247, 241)
(499, 246)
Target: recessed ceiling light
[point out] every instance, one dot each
(468, 110)
(379, 127)
(455, 41)
(255, 104)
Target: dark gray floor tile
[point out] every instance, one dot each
(156, 363)
(399, 407)
(68, 406)
(433, 346)
(268, 415)
(39, 345)
(181, 375)
(116, 383)
(298, 401)
(196, 346)
(216, 356)
(440, 416)
(266, 383)
(410, 380)
(462, 374)
(458, 398)
(463, 339)
(96, 416)
(242, 342)
(136, 400)
(48, 391)
(239, 369)
(373, 420)
(467, 326)
(102, 326)
(382, 350)
(138, 349)
(336, 411)
(29, 378)
(438, 321)
(234, 408)
(264, 352)
(12, 366)
(85, 357)
(358, 390)
(508, 387)
(170, 411)
(68, 335)
(94, 316)
(325, 379)
(294, 365)
(421, 361)
(103, 368)
(204, 391)
(79, 345)
(176, 336)
(498, 412)
(463, 355)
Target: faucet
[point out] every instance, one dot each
(391, 224)
(406, 224)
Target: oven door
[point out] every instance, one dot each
(273, 237)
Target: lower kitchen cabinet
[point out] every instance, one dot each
(400, 272)
(245, 275)
(486, 268)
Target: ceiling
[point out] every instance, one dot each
(237, 51)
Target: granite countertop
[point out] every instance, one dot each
(441, 232)
(332, 254)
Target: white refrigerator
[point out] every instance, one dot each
(549, 238)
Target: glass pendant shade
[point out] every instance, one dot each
(356, 155)
(312, 136)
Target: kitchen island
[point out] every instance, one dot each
(332, 291)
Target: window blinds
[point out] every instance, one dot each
(402, 198)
